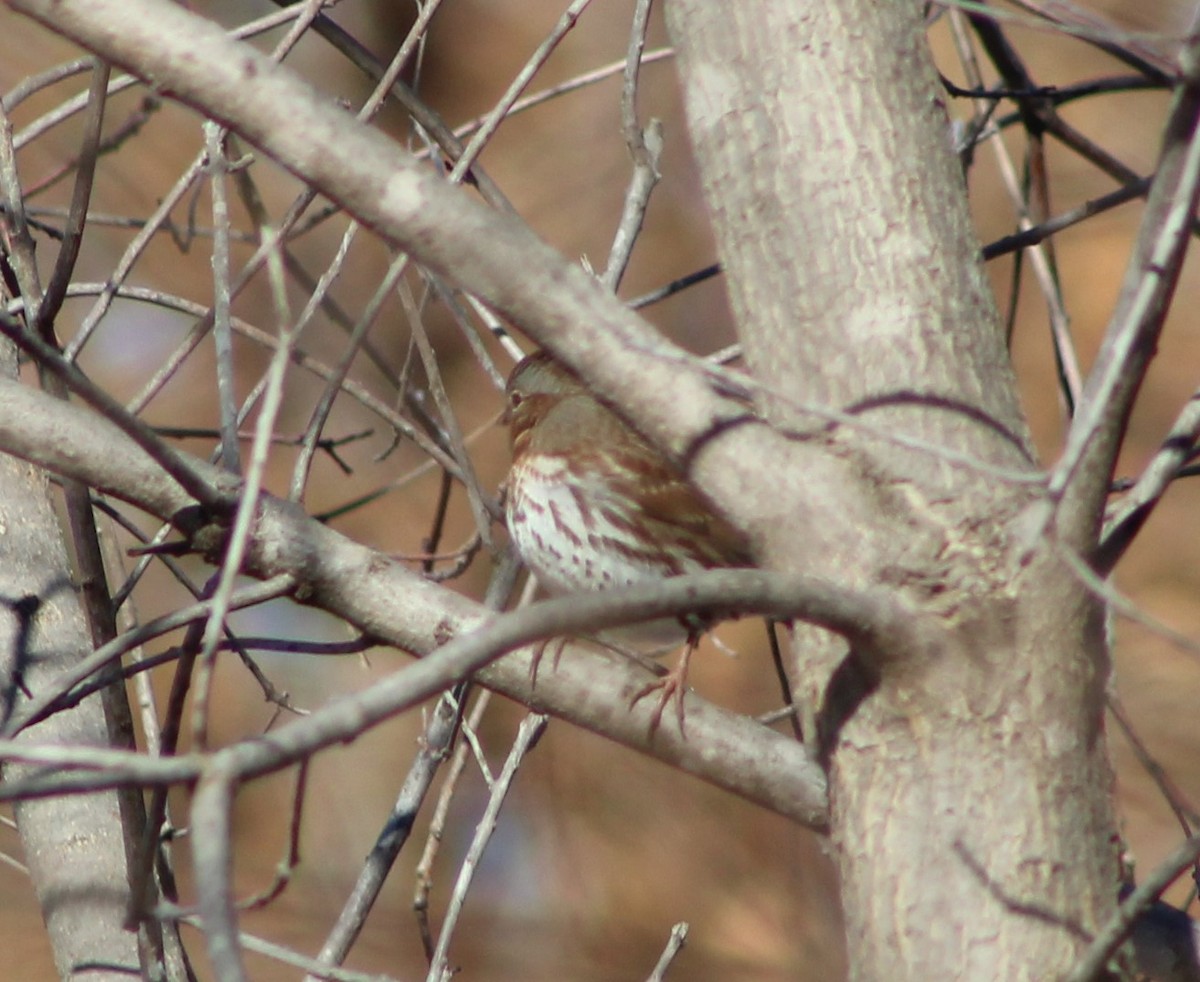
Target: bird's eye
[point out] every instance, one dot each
(515, 399)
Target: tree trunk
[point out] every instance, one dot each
(970, 780)
(74, 846)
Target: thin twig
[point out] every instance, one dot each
(675, 286)
(1098, 30)
(570, 85)
(318, 368)
(1104, 590)
(49, 305)
(530, 730)
(434, 746)
(33, 84)
(1187, 816)
(491, 122)
(1005, 60)
(78, 103)
(645, 149)
(335, 384)
(218, 166)
(172, 727)
(1043, 230)
(1142, 51)
(448, 420)
(437, 825)
(675, 943)
(280, 953)
(283, 872)
(239, 536)
(389, 83)
(479, 139)
(130, 256)
(113, 141)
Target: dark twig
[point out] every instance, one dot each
(1187, 816)
(283, 872)
(675, 286)
(1011, 67)
(1054, 94)
(49, 304)
(1043, 230)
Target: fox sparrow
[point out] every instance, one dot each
(592, 506)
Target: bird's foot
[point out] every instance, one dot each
(539, 652)
(670, 686)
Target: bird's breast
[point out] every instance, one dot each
(576, 532)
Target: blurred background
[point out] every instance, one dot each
(599, 852)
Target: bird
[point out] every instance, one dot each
(592, 505)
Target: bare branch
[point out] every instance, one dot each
(212, 846)
(433, 748)
(674, 945)
(437, 822)
(1082, 474)
(528, 734)
(64, 263)
(645, 149)
(1127, 516)
(218, 166)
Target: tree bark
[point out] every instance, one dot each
(74, 846)
(970, 781)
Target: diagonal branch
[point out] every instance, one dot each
(1081, 477)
